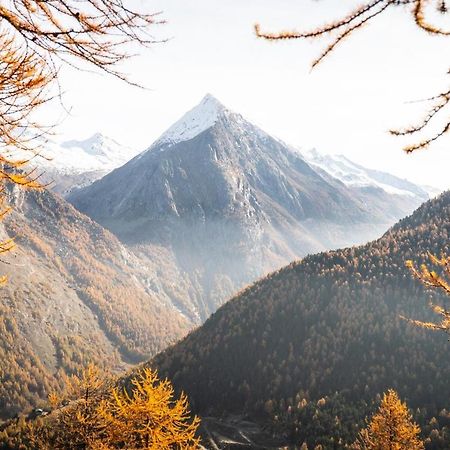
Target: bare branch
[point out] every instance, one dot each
(342, 28)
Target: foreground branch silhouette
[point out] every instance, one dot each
(434, 281)
(419, 12)
(37, 37)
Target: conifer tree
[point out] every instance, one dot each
(433, 280)
(391, 428)
(92, 415)
(38, 37)
(149, 417)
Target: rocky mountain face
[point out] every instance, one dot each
(218, 203)
(310, 347)
(74, 295)
(73, 164)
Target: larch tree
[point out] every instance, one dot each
(38, 37)
(419, 11)
(74, 421)
(391, 427)
(94, 415)
(433, 280)
(149, 417)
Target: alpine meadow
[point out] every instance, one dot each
(224, 225)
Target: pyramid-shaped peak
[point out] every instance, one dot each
(209, 106)
(210, 101)
(194, 122)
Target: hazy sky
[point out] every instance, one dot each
(345, 106)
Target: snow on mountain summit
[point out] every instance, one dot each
(96, 153)
(94, 145)
(354, 175)
(194, 122)
(70, 164)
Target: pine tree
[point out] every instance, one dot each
(36, 38)
(391, 428)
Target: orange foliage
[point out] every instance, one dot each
(391, 427)
(433, 280)
(35, 38)
(94, 416)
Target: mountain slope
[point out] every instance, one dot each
(74, 294)
(327, 328)
(220, 203)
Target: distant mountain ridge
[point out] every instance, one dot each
(357, 176)
(72, 164)
(219, 203)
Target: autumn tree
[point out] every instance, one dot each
(94, 415)
(434, 281)
(391, 428)
(420, 12)
(75, 421)
(38, 37)
(149, 416)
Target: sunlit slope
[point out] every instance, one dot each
(74, 295)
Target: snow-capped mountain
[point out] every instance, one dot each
(98, 152)
(216, 202)
(68, 165)
(356, 176)
(194, 122)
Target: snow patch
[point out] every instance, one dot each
(351, 174)
(78, 156)
(194, 122)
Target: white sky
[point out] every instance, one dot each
(346, 105)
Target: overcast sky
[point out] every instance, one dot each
(346, 105)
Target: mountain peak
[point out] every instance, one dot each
(209, 101)
(90, 144)
(194, 122)
(97, 137)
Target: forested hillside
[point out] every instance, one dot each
(313, 344)
(74, 295)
